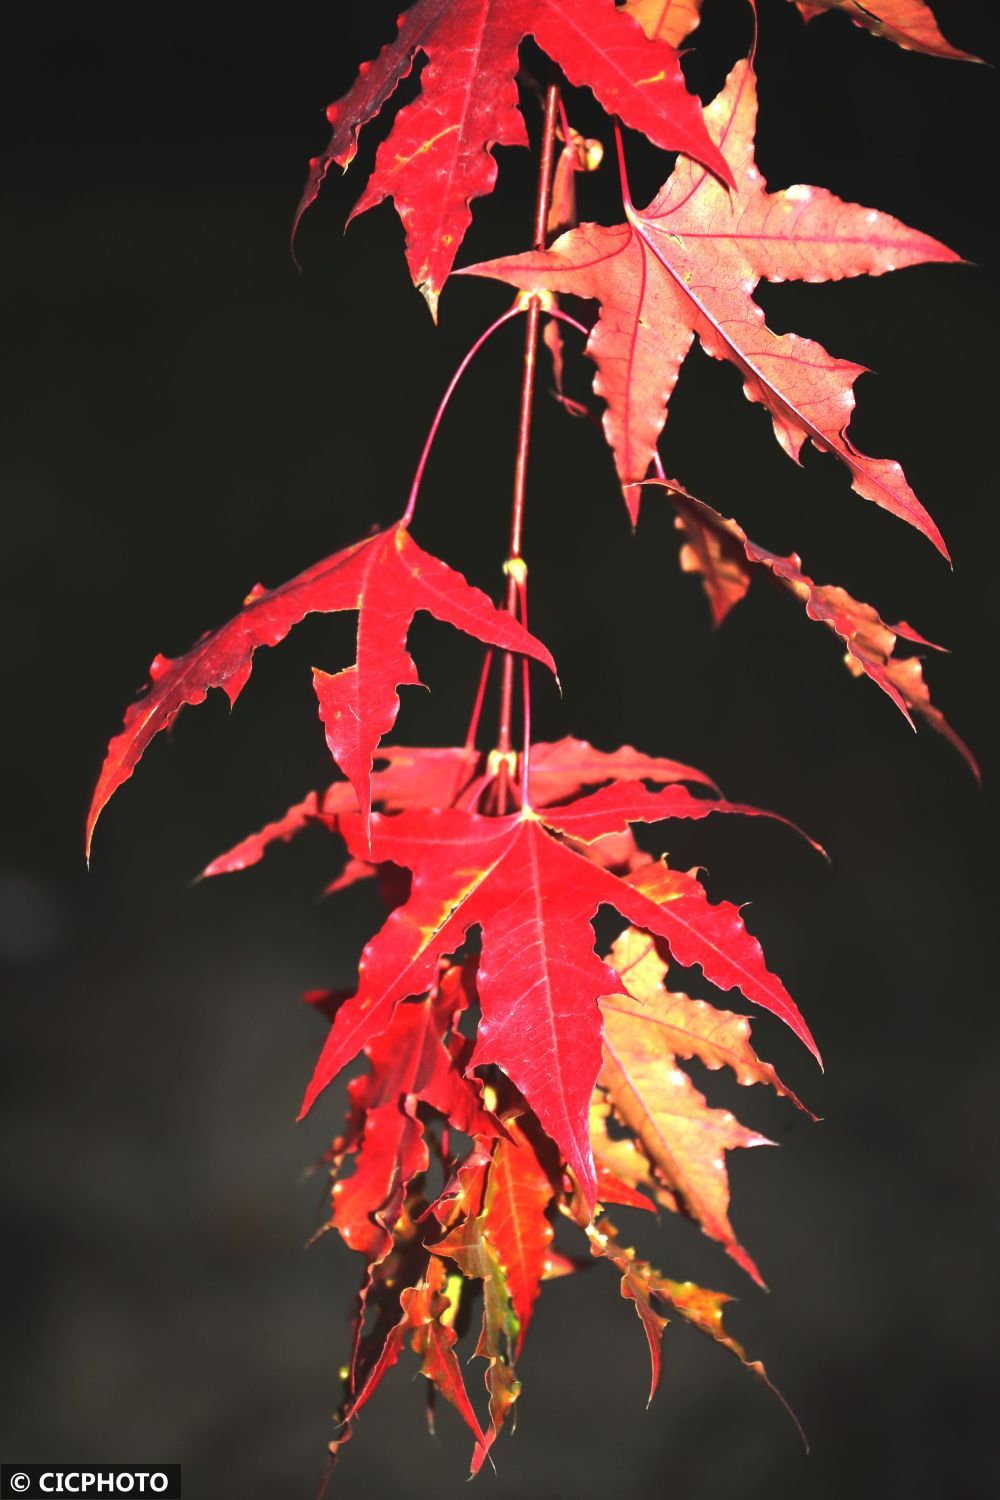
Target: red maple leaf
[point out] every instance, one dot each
(415, 776)
(425, 1320)
(534, 898)
(564, 767)
(517, 1198)
(720, 549)
(387, 579)
(469, 1244)
(687, 266)
(412, 1063)
(432, 776)
(438, 155)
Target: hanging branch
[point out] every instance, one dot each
(510, 1076)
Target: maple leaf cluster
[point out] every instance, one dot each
(574, 1095)
(515, 1080)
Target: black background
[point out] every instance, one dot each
(184, 414)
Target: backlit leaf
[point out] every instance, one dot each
(687, 267)
(539, 980)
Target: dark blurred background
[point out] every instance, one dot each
(185, 414)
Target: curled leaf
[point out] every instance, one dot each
(870, 643)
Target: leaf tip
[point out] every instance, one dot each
(432, 296)
(96, 808)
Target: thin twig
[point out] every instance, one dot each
(515, 564)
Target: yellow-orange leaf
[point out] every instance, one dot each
(683, 1137)
(688, 1028)
(666, 20)
(644, 1286)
